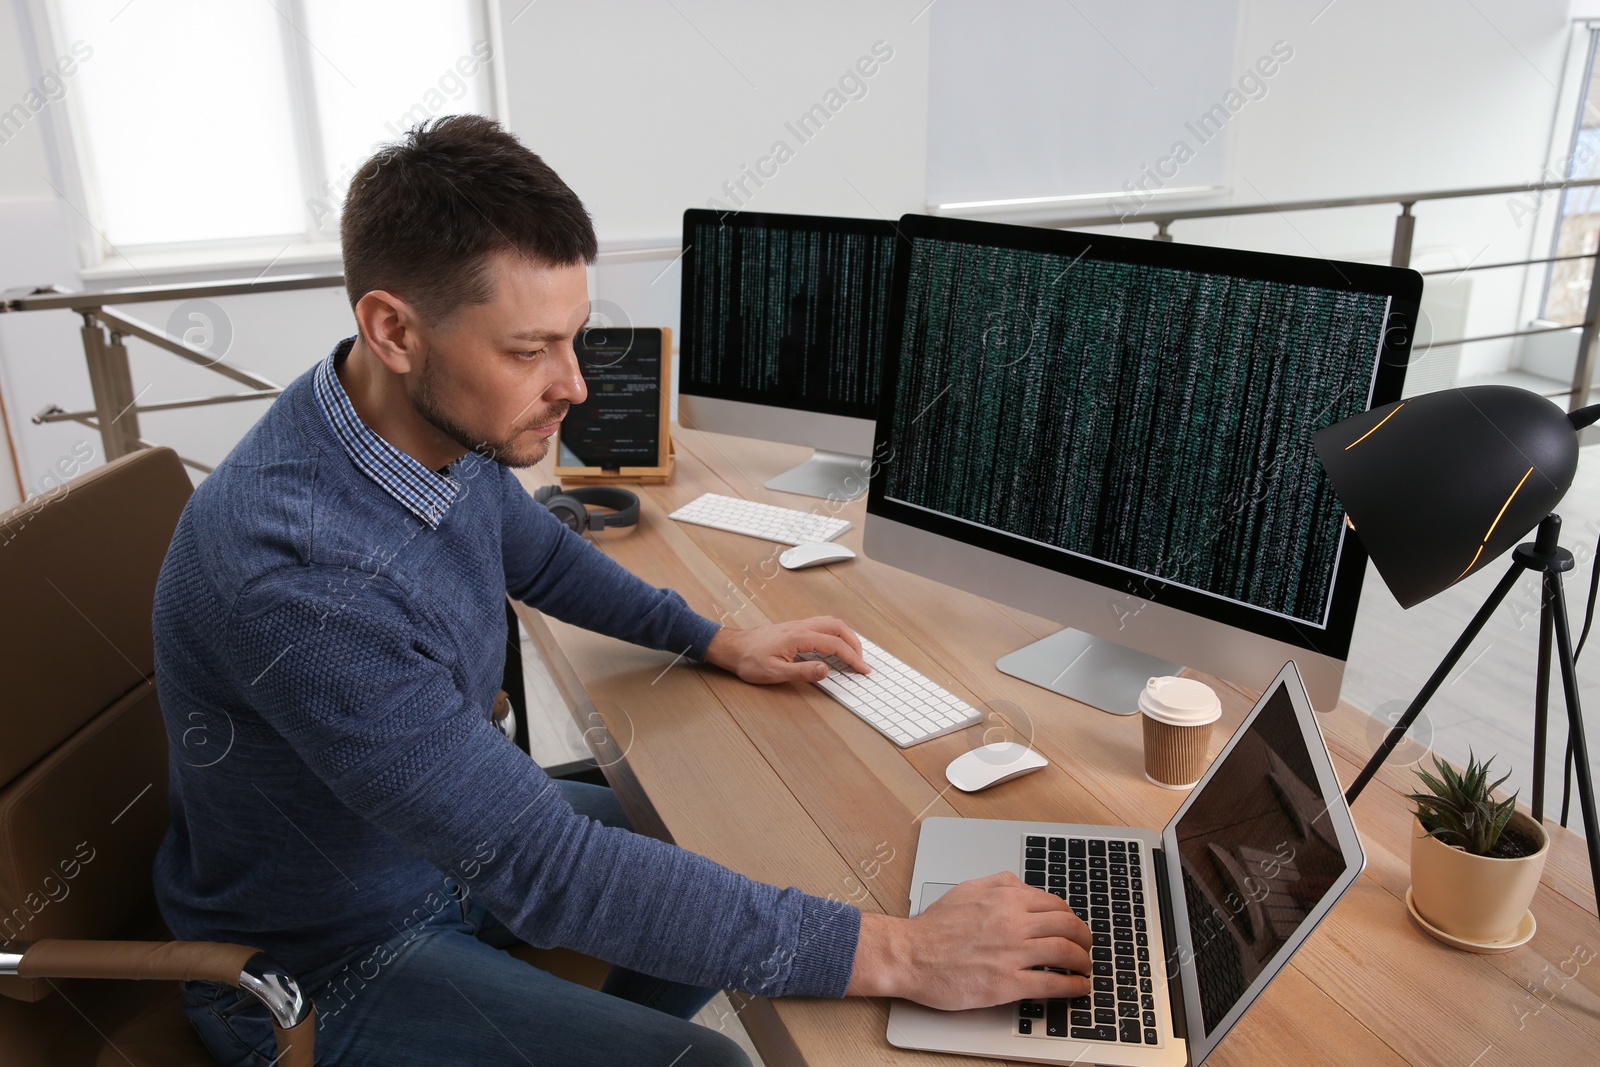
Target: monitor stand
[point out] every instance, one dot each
(1091, 670)
(829, 475)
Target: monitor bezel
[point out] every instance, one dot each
(757, 220)
(1402, 286)
(1201, 1044)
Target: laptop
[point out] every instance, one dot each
(1190, 922)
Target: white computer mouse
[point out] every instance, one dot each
(991, 765)
(814, 554)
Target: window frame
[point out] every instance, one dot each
(1568, 150)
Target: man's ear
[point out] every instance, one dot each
(392, 329)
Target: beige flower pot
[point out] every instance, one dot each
(1475, 898)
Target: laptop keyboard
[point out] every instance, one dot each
(1103, 881)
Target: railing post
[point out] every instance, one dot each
(1405, 224)
(125, 419)
(1583, 373)
(103, 384)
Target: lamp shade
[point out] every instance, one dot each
(1439, 485)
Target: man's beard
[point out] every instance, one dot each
(502, 450)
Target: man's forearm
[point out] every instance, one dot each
(718, 653)
(881, 957)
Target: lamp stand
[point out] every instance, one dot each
(1547, 557)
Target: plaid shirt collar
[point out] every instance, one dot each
(425, 493)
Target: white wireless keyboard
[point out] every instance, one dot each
(895, 700)
(768, 521)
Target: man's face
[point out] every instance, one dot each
(497, 378)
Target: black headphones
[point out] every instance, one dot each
(571, 506)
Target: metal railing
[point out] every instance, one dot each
(1405, 225)
(116, 408)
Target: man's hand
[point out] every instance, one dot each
(767, 653)
(975, 947)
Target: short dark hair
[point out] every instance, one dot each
(425, 213)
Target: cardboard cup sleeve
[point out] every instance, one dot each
(1175, 756)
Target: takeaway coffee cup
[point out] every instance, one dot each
(1177, 714)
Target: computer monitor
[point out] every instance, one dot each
(781, 336)
(1115, 434)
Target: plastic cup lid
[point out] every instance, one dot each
(1180, 701)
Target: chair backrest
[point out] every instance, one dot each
(83, 760)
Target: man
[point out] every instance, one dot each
(329, 642)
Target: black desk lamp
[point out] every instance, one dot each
(1440, 485)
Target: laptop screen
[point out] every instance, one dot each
(1259, 853)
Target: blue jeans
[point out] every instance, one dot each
(445, 993)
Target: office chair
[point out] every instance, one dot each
(83, 789)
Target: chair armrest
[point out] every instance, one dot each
(293, 1016)
(187, 961)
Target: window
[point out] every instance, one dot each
(199, 125)
(1016, 91)
(1566, 294)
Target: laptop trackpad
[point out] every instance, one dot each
(932, 891)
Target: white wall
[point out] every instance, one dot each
(1392, 98)
(647, 108)
(679, 104)
(1378, 98)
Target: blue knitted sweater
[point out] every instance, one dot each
(327, 665)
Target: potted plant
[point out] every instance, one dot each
(1475, 860)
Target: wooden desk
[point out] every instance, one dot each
(784, 785)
